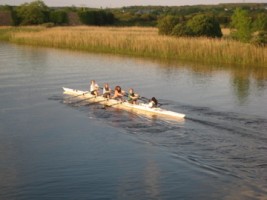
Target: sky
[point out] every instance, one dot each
(121, 3)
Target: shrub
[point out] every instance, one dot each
(204, 25)
(200, 25)
(182, 30)
(167, 24)
(260, 39)
(48, 25)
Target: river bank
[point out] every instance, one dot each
(137, 41)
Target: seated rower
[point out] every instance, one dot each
(94, 88)
(118, 93)
(153, 103)
(132, 97)
(106, 91)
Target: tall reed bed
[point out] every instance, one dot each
(143, 42)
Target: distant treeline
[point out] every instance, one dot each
(149, 15)
(247, 22)
(37, 12)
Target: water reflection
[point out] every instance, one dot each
(244, 79)
(241, 87)
(9, 176)
(259, 73)
(148, 184)
(152, 179)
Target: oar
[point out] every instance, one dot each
(77, 95)
(144, 98)
(84, 100)
(114, 104)
(140, 97)
(94, 102)
(147, 99)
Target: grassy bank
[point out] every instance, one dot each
(139, 42)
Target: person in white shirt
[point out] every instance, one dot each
(94, 88)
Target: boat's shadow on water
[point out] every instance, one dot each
(132, 123)
(129, 121)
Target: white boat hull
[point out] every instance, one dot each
(140, 108)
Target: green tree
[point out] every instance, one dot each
(182, 30)
(110, 19)
(99, 18)
(58, 17)
(166, 24)
(260, 24)
(95, 17)
(5, 8)
(205, 25)
(241, 25)
(32, 13)
(87, 17)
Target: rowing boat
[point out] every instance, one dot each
(137, 108)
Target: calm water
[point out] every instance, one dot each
(55, 150)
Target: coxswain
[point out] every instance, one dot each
(153, 103)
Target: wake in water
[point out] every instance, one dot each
(227, 143)
(235, 123)
(219, 143)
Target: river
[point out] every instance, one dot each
(50, 149)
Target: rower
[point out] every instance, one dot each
(94, 88)
(153, 103)
(118, 93)
(132, 97)
(106, 91)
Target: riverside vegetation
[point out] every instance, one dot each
(184, 33)
(139, 41)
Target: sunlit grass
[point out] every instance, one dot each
(141, 42)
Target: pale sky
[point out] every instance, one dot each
(121, 3)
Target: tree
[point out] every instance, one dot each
(110, 19)
(95, 17)
(260, 24)
(99, 18)
(241, 25)
(58, 17)
(166, 24)
(32, 13)
(205, 25)
(87, 17)
(182, 30)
